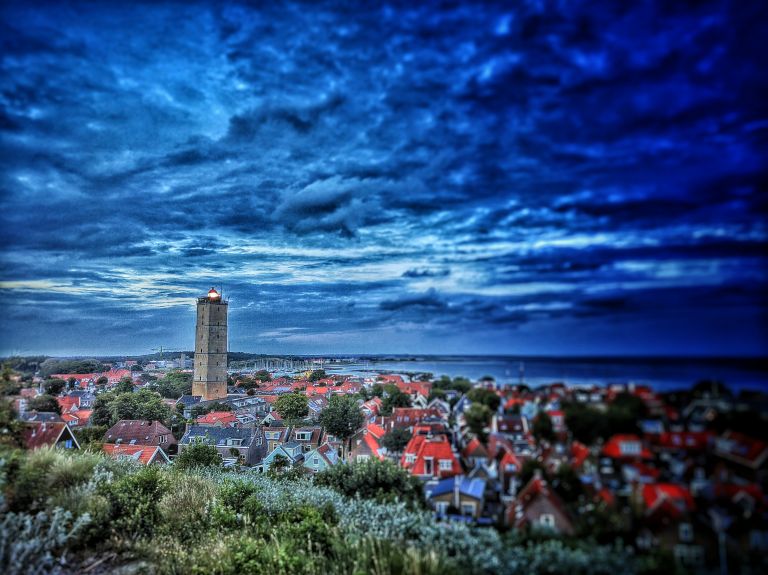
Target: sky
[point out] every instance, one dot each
(552, 178)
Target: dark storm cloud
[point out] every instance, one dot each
(407, 171)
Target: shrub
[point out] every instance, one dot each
(197, 455)
(32, 544)
(133, 503)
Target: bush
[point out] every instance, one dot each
(197, 455)
(381, 481)
(133, 503)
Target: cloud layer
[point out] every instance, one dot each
(543, 178)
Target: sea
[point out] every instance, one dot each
(661, 374)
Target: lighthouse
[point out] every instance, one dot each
(210, 371)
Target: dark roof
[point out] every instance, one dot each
(219, 435)
(48, 416)
(472, 487)
(137, 431)
(189, 400)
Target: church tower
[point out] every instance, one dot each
(210, 377)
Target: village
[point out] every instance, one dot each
(678, 472)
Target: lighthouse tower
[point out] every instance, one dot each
(210, 377)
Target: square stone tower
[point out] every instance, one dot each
(210, 376)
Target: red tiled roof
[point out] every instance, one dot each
(376, 430)
(144, 454)
(742, 448)
(226, 418)
(66, 403)
(373, 445)
(44, 434)
(580, 453)
(474, 449)
(626, 446)
(423, 447)
(667, 499)
(685, 440)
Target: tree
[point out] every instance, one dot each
(342, 418)
(528, 470)
(175, 384)
(394, 398)
(292, 406)
(317, 374)
(567, 483)
(373, 479)
(199, 410)
(484, 396)
(136, 367)
(478, 416)
(44, 403)
(109, 408)
(10, 426)
(197, 455)
(542, 427)
(125, 385)
(90, 436)
(396, 440)
(54, 386)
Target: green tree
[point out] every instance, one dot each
(342, 418)
(292, 406)
(109, 408)
(197, 455)
(484, 396)
(10, 427)
(542, 427)
(394, 398)
(567, 484)
(478, 416)
(125, 385)
(528, 470)
(54, 386)
(317, 374)
(92, 436)
(373, 479)
(175, 384)
(396, 440)
(44, 403)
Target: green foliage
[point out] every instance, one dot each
(51, 366)
(460, 384)
(10, 427)
(393, 398)
(199, 410)
(478, 416)
(174, 384)
(396, 440)
(588, 424)
(292, 406)
(342, 417)
(528, 470)
(567, 484)
(381, 481)
(197, 455)
(92, 436)
(44, 403)
(133, 503)
(317, 374)
(542, 427)
(125, 385)
(109, 408)
(485, 397)
(54, 386)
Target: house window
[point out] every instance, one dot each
(361, 458)
(428, 466)
(467, 508)
(630, 447)
(315, 461)
(547, 520)
(441, 507)
(685, 532)
(68, 444)
(410, 457)
(302, 436)
(446, 465)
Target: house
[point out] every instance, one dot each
(409, 416)
(321, 458)
(316, 404)
(626, 446)
(474, 453)
(218, 418)
(276, 435)
(144, 454)
(39, 416)
(186, 403)
(77, 418)
(309, 437)
(687, 441)
(291, 451)
(747, 452)
(366, 446)
(537, 507)
(371, 408)
(441, 406)
(48, 434)
(244, 443)
(457, 495)
(141, 432)
(430, 457)
(273, 419)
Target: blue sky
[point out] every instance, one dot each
(502, 178)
